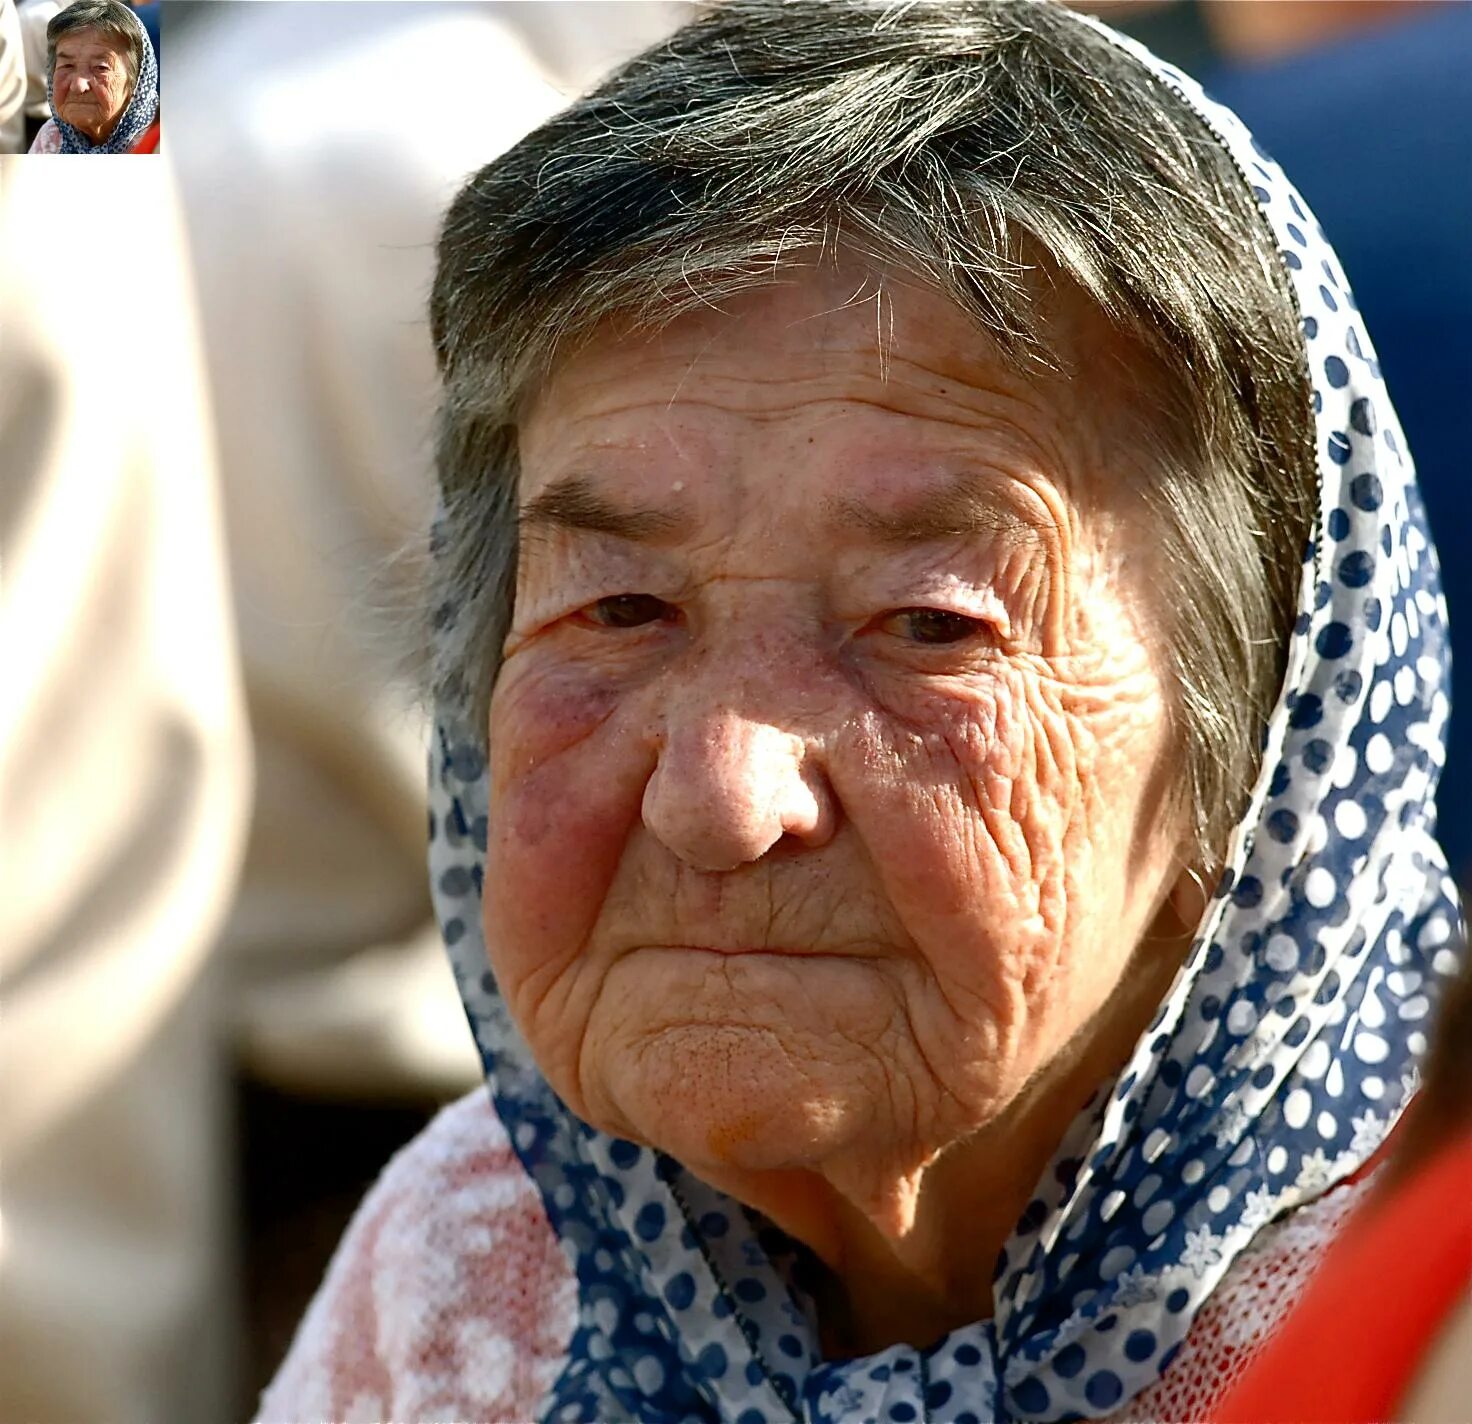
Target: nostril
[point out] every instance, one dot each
(790, 844)
(806, 807)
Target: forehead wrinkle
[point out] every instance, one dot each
(68, 48)
(956, 415)
(951, 387)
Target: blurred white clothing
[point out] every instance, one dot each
(35, 15)
(12, 81)
(124, 770)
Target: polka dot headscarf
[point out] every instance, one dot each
(1281, 1057)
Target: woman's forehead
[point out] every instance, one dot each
(878, 364)
(833, 315)
(86, 44)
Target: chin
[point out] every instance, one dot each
(724, 1098)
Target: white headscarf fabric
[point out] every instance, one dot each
(1282, 1055)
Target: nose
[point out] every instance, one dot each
(726, 789)
(80, 85)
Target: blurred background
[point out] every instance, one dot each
(225, 1002)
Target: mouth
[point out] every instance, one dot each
(738, 951)
(750, 951)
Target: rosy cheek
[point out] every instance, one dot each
(567, 778)
(540, 710)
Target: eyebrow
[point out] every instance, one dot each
(968, 505)
(573, 503)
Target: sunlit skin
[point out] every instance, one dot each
(830, 760)
(90, 87)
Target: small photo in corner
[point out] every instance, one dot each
(79, 78)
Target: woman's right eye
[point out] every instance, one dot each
(630, 610)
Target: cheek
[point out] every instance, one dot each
(1002, 800)
(936, 775)
(567, 780)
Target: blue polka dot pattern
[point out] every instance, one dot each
(1285, 1052)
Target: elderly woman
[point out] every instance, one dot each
(101, 82)
(940, 684)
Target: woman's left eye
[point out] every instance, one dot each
(630, 610)
(932, 626)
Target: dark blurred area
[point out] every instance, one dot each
(295, 1201)
(309, 1022)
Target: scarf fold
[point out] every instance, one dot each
(1282, 1055)
(133, 123)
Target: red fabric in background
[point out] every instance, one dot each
(1349, 1352)
(147, 140)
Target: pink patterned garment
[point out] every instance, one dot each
(48, 140)
(450, 1299)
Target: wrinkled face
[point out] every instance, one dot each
(90, 85)
(829, 756)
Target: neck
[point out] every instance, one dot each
(915, 1285)
(96, 136)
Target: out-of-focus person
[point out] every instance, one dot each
(101, 80)
(124, 770)
(1249, 32)
(12, 80)
(35, 15)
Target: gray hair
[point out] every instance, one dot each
(956, 140)
(109, 18)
